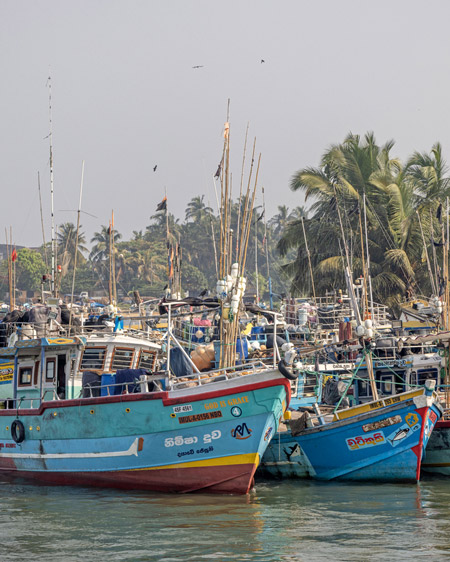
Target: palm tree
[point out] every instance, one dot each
(349, 172)
(280, 221)
(100, 250)
(196, 209)
(66, 240)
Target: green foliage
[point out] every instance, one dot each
(29, 269)
(350, 173)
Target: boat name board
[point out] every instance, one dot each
(363, 408)
(223, 403)
(370, 440)
(179, 440)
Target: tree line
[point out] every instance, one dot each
(141, 263)
(359, 196)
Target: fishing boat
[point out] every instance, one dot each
(201, 433)
(380, 440)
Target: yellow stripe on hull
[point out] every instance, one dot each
(376, 405)
(250, 458)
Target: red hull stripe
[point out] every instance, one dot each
(164, 396)
(441, 424)
(229, 479)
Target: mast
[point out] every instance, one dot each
(256, 259)
(76, 247)
(369, 278)
(114, 287)
(110, 291)
(267, 253)
(50, 136)
(309, 260)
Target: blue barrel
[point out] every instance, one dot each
(242, 348)
(105, 381)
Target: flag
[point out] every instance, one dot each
(219, 169)
(14, 255)
(162, 206)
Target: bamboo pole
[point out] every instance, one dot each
(309, 260)
(240, 192)
(113, 261)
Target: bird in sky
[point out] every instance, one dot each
(198, 66)
(262, 60)
(154, 167)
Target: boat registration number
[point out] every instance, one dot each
(183, 408)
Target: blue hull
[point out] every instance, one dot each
(385, 444)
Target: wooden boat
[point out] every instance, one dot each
(202, 433)
(379, 440)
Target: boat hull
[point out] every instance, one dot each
(386, 444)
(437, 453)
(195, 439)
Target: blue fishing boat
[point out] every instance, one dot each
(379, 440)
(206, 432)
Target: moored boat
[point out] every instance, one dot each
(201, 433)
(380, 440)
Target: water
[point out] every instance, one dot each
(279, 521)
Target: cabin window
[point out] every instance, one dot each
(147, 360)
(50, 370)
(364, 390)
(25, 374)
(387, 384)
(93, 358)
(122, 358)
(413, 378)
(426, 375)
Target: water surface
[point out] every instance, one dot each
(279, 521)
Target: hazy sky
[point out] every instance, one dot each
(126, 98)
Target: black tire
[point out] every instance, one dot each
(282, 367)
(17, 431)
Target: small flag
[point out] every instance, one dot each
(439, 213)
(14, 255)
(218, 171)
(162, 206)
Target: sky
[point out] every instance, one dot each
(126, 98)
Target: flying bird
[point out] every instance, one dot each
(198, 66)
(262, 60)
(154, 167)
(203, 293)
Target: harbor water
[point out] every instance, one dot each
(278, 521)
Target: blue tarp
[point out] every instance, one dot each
(130, 376)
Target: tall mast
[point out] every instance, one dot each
(51, 185)
(369, 278)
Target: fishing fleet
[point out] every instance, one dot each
(209, 394)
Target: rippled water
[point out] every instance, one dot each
(279, 521)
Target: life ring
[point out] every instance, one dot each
(282, 367)
(17, 431)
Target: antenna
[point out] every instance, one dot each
(49, 83)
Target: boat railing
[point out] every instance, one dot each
(143, 384)
(216, 375)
